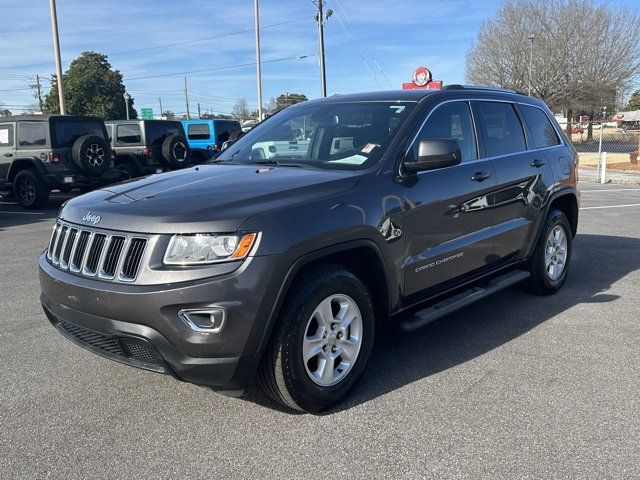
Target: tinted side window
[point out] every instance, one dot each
(6, 135)
(451, 120)
(224, 129)
(198, 131)
(32, 134)
(66, 131)
(128, 134)
(158, 131)
(542, 132)
(502, 129)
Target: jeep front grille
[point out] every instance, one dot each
(92, 253)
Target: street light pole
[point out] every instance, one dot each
(323, 74)
(531, 37)
(258, 64)
(127, 97)
(56, 53)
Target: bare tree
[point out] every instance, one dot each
(241, 110)
(585, 54)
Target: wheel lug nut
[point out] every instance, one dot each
(339, 334)
(334, 349)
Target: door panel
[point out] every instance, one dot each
(449, 226)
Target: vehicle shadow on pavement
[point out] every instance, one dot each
(402, 358)
(13, 215)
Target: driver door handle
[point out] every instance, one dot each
(480, 176)
(8, 154)
(537, 163)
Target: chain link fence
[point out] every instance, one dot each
(602, 144)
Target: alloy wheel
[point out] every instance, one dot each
(555, 258)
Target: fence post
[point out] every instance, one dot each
(603, 167)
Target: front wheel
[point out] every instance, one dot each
(551, 256)
(322, 341)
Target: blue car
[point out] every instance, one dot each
(206, 136)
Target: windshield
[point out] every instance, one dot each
(66, 131)
(346, 136)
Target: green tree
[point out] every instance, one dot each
(634, 101)
(168, 115)
(91, 87)
(287, 99)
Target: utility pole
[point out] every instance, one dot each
(186, 98)
(39, 92)
(320, 19)
(160, 102)
(56, 53)
(258, 64)
(199, 116)
(532, 38)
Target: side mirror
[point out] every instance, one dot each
(435, 153)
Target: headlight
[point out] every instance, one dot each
(200, 249)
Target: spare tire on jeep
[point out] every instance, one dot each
(92, 154)
(175, 151)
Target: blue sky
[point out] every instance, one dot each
(370, 45)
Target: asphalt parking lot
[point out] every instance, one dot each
(516, 386)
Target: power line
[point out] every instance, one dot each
(227, 67)
(185, 42)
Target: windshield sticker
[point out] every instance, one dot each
(369, 147)
(352, 160)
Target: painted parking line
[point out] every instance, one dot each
(611, 190)
(611, 206)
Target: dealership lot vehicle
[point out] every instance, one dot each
(440, 199)
(206, 136)
(40, 153)
(144, 147)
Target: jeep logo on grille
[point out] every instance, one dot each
(91, 218)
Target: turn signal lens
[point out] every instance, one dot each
(243, 248)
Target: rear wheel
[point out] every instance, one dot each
(29, 189)
(322, 341)
(552, 255)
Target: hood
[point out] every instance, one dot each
(206, 198)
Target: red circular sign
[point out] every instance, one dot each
(422, 76)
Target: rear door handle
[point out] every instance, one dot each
(537, 163)
(480, 176)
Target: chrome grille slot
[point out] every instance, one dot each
(68, 247)
(59, 243)
(52, 242)
(111, 258)
(94, 254)
(133, 259)
(78, 254)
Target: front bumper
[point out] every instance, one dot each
(139, 325)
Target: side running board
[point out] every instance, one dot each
(449, 305)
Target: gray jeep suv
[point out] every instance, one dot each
(394, 207)
(40, 153)
(144, 147)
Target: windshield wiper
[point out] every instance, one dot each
(278, 163)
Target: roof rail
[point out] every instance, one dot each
(455, 86)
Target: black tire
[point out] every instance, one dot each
(129, 170)
(29, 189)
(175, 151)
(283, 374)
(92, 154)
(541, 282)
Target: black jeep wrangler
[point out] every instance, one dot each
(280, 263)
(144, 147)
(40, 153)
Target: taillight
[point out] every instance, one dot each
(216, 148)
(54, 157)
(148, 154)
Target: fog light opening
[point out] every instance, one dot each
(209, 320)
